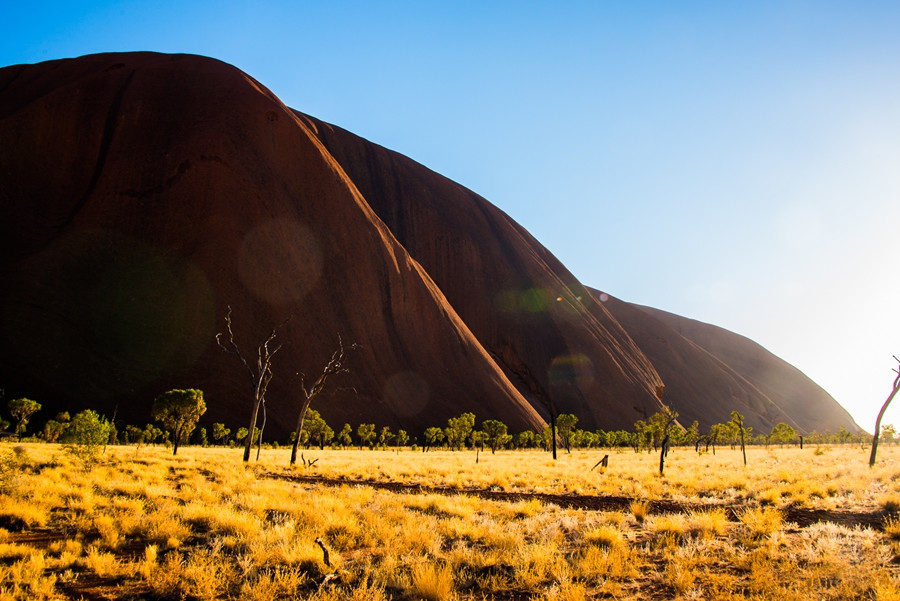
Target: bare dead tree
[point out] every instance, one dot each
(671, 417)
(738, 421)
(884, 407)
(260, 376)
(334, 366)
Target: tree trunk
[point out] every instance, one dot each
(299, 428)
(664, 450)
(743, 446)
(884, 407)
(261, 430)
(248, 444)
(553, 432)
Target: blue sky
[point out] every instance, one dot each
(732, 162)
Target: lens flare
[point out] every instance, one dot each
(532, 300)
(280, 260)
(407, 392)
(567, 370)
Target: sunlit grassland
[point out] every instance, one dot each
(142, 524)
(820, 477)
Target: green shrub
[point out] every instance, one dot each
(86, 435)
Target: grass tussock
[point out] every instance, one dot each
(431, 582)
(761, 521)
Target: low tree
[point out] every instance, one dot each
(526, 439)
(692, 434)
(433, 436)
(86, 435)
(152, 434)
(643, 436)
(459, 429)
(658, 425)
(241, 434)
(345, 436)
(316, 430)
(22, 410)
(665, 422)
(737, 420)
(565, 428)
(401, 438)
(782, 434)
(178, 410)
(584, 439)
(844, 436)
(385, 437)
(495, 433)
(53, 429)
(135, 435)
(366, 435)
(888, 433)
(717, 435)
(524, 375)
(477, 439)
(220, 432)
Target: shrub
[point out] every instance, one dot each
(86, 435)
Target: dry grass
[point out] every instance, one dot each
(785, 477)
(204, 526)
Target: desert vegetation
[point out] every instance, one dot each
(368, 513)
(141, 523)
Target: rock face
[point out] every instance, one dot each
(142, 194)
(710, 372)
(785, 393)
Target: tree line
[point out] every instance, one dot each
(175, 416)
(176, 413)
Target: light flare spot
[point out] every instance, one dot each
(567, 370)
(280, 260)
(407, 393)
(532, 300)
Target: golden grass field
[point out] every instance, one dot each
(142, 524)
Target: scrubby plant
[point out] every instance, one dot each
(86, 435)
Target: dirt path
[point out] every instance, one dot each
(801, 516)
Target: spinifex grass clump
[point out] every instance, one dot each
(203, 525)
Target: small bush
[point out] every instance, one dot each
(86, 435)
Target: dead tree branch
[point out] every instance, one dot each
(259, 377)
(334, 366)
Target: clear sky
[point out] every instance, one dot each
(733, 162)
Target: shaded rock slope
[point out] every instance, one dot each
(143, 194)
